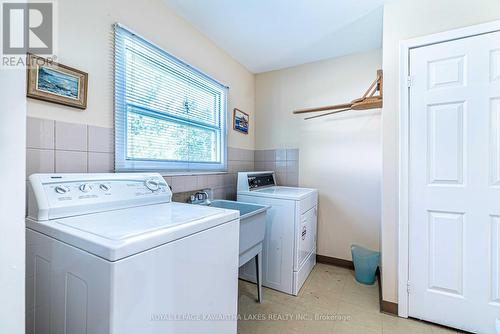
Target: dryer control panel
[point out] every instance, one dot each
(248, 181)
(260, 181)
(53, 196)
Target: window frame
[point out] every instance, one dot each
(122, 163)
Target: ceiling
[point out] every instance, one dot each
(266, 35)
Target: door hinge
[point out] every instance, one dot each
(409, 81)
(408, 287)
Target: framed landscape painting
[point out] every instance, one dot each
(57, 83)
(240, 121)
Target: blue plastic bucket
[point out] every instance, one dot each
(366, 263)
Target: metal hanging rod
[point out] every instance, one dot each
(368, 101)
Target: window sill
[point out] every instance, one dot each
(191, 173)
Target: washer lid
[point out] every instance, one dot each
(291, 193)
(128, 223)
(120, 233)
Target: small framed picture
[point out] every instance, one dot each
(240, 121)
(57, 83)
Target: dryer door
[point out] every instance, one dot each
(306, 236)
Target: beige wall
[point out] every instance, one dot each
(339, 155)
(85, 41)
(404, 19)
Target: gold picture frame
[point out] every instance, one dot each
(53, 82)
(241, 121)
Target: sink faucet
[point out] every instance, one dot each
(200, 197)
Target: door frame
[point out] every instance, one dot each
(404, 141)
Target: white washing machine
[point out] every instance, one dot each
(111, 254)
(289, 252)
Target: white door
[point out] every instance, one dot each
(454, 230)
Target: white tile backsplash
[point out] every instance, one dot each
(39, 133)
(280, 178)
(219, 193)
(100, 162)
(55, 146)
(280, 167)
(292, 167)
(203, 181)
(215, 180)
(280, 155)
(177, 184)
(71, 162)
(70, 136)
(264, 155)
(292, 154)
(100, 139)
(247, 155)
(39, 161)
(283, 161)
(191, 183)
(265, 165)
(292, 179)
(230, 179)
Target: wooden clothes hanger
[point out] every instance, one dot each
(368, 101)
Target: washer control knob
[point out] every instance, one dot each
(152, 185)
(104, 187)
(85, 187)
(61, 189)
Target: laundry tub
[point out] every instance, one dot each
(252, 232)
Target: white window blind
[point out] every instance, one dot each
(169, 116)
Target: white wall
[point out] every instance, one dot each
(85, 42)
(339, 155)
(12, 197)
(404, 19)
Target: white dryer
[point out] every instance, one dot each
(289, 252)
(111, 254)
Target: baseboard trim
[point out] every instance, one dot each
(335, 261)
(385, 306)
(388, 307)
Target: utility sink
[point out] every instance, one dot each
(252, 224)
(252, 232)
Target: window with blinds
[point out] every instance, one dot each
(169, 116)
